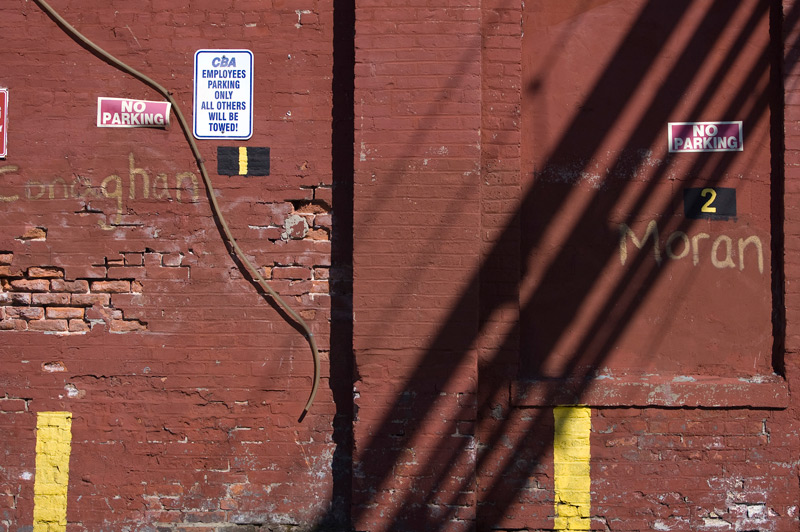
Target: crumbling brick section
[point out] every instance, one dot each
(295, 220)
(40, 299)
(227, 527)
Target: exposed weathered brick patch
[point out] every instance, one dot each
(50, 273)
(76, 287)
(228, 527)
(13, 405)
(49, 298)
(28, 285)
(42, 300)
(295, 220)
(34, 233)
(114, 287)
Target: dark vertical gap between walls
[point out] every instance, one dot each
(777, 146)
(339, 516)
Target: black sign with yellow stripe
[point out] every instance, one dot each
(242, 160)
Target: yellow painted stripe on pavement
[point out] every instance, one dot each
(571, 457)
(242, 160)
(53, 446)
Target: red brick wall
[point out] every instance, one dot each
(664, 456)
(123, 306)
(416, 247)
(184, 383)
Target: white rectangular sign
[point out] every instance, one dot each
(121, 112)
(223, 94)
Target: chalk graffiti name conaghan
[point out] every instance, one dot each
(112, 188)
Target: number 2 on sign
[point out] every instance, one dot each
(712, 195)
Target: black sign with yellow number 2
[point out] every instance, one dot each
(712, 202)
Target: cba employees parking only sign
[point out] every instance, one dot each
(223, 94)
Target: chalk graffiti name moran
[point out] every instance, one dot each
(678, 245)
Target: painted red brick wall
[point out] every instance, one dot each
(120, 302)
(416, 246)
(710, 451)
(402, 137)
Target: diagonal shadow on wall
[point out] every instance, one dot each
(499, 485)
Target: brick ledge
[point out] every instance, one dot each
(760, 391)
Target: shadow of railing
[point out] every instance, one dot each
(533, 437)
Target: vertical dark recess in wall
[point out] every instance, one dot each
(777, 147)
(341, 279)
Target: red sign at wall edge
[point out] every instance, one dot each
(3, 123)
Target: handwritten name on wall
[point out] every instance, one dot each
(113, 188)
(722, 250)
